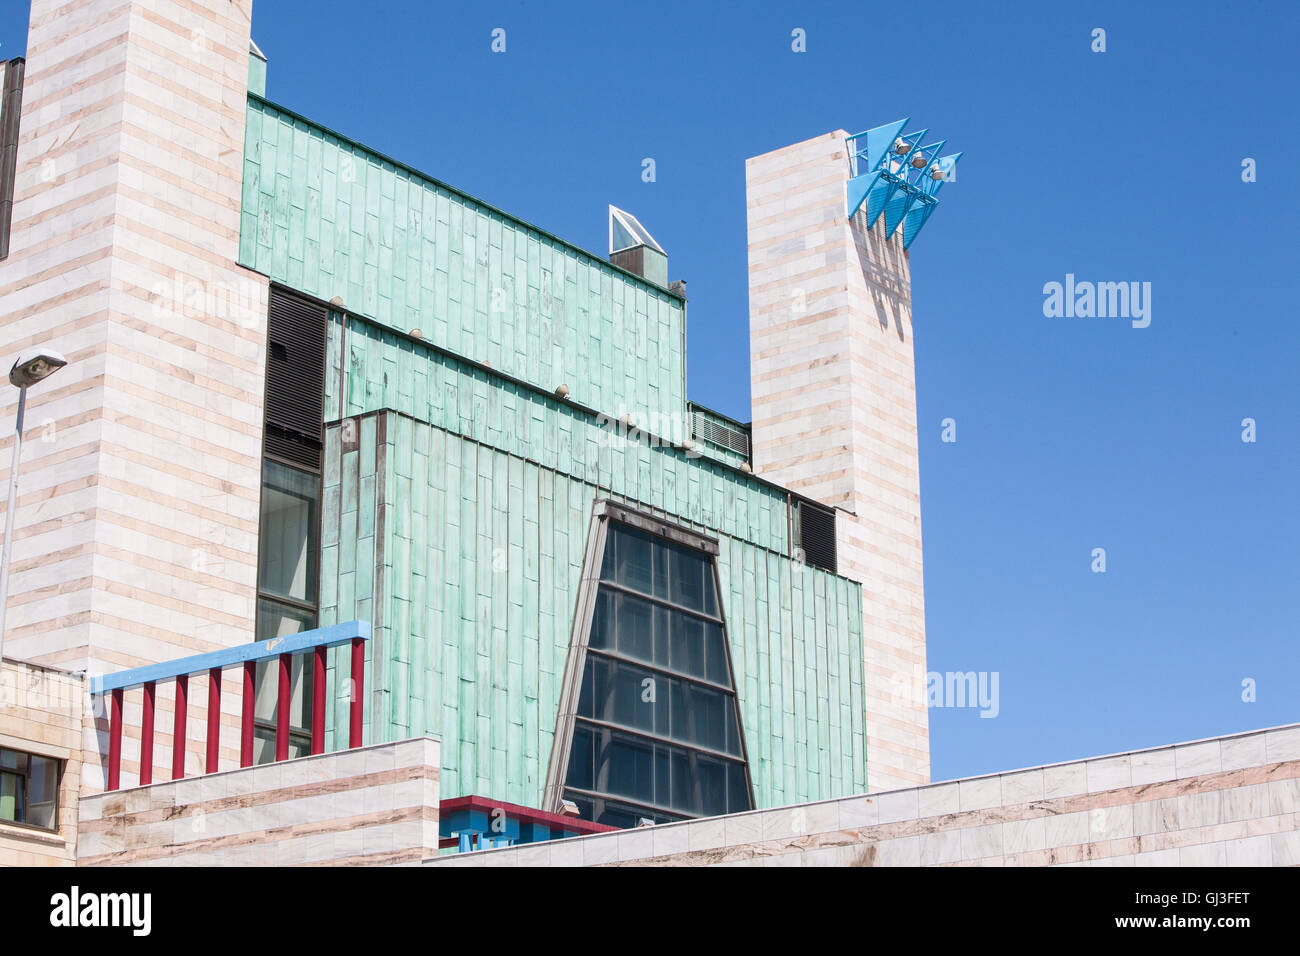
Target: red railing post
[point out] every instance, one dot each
(214, 718)
(115, 740)
(146, 734)
(282, 710)
(246, 722)
(318, 702)
(358, 686)
(178, 727)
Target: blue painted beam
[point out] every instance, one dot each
(257, 651)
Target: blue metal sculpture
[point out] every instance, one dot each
(899, 175)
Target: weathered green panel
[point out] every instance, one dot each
(556, 434)
(457, 502)
(476, 640)
(412, 253)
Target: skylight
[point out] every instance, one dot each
(626, 232)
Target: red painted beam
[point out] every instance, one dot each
(282, 710)
(214, 718)
(115, 740)
(146, 734)
(358, 687)
(178, 727)
(556, 821)
(246, 720)
(318, 702)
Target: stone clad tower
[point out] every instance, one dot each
(136, 530)
(834, 389)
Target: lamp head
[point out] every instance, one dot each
(34, 365)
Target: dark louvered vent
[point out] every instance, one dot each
(815, 532)
(11, 102)
(295, 378)
(721, 435)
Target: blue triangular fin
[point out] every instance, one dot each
(858, 187)
(896, 209)
(914, 220)
(879, 196)
(872, 145)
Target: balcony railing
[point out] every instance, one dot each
(355, 633)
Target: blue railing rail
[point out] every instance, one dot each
(281, 649)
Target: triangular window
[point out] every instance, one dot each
(654, 732)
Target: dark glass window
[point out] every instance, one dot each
(287, 563)
(656, 734)
(29, 789)
(662, 569)
(287, 594)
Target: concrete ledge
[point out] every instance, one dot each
(1226, 801)
(370, 806)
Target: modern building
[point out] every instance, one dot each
(309, 384)
(389, 468)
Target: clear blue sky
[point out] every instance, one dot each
(1072, 434)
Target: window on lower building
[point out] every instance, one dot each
(29, 789)
(656, 732)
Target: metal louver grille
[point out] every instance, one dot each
(295, 378)
(710, 431)
(816, 534)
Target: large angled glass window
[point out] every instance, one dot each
(655, 734)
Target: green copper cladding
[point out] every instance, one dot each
(256, 70)
(329, 217)
(388, 370)
(458, 487)
(455, 516)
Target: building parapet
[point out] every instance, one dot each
(1225, 801)
(364, 807)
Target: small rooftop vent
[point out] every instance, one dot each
(710, 429)
(632, 248)
(814, 530)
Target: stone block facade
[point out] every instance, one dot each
(370, 806)
(833, 386)
(136, 531)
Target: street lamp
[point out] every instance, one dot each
(31, 367)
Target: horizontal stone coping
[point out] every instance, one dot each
(32, 665)
(1160, 787)
(292, 762)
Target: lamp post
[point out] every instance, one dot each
(31, 367)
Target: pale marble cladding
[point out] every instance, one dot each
(369, 806)
(834, 415)
(1240, 806)
(136, 533)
